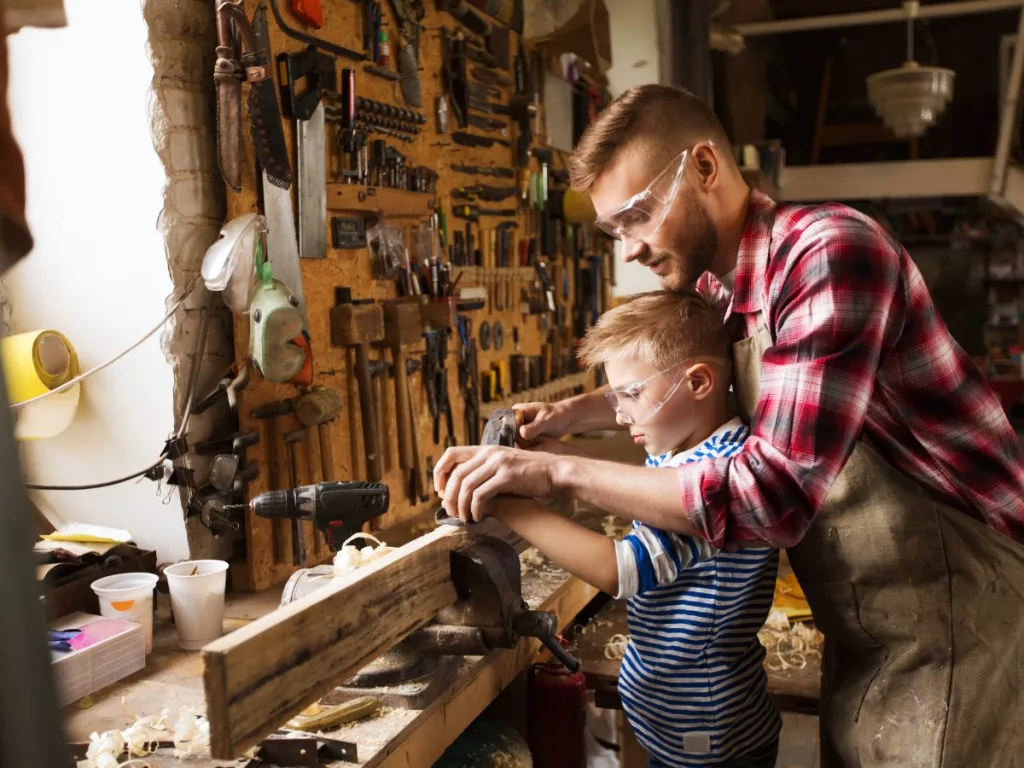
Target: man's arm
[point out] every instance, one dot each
(584, 553)
(839, 309)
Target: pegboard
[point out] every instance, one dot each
(267, 557)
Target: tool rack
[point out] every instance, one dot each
(266, 561)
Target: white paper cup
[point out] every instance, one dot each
(197, 600)
(129, 597)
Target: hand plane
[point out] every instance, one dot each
(501, 429)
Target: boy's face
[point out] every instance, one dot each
(675, 397)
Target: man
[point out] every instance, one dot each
(877, 454)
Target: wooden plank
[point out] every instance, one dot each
(392, 202)
(259, 676)
(959, 177)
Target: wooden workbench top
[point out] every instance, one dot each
(392, 737)
(792, 689)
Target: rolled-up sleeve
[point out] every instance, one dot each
(836, 310)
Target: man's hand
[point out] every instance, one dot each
(466, 477)
(543, 419)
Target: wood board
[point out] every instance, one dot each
(259, 676)
(267, 546)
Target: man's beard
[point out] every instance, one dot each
(692, 256)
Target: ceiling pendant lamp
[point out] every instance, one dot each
(910, 99)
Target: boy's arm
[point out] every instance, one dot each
(649, 557)
(584, 553)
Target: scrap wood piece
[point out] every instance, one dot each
(270, 670)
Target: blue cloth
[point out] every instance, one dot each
(692, 682)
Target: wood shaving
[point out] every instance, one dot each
(789, 646)
(532, 558)
(614, 527)
(191, 738)
(350, 557)
(615, 648)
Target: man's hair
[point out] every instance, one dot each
(660, 328)
(658, 120)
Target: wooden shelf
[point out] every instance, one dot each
(395, 202)
(757, 180)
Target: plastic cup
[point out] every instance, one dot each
(129, 597)
(197, 599)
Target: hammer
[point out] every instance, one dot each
(319, 408)
(271, 412)
(358, 326)
(402, 326)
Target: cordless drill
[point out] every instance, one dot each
(337, 509)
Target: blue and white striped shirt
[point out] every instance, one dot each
(691, 681)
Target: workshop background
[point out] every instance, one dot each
(116, 112)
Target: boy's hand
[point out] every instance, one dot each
(543, 419)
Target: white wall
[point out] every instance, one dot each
(79, 99)
(636, 55)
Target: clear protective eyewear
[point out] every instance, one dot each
(633, 401)
(643, 214)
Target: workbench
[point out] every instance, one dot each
(391, 737)
(793, 690)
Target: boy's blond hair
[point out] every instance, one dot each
(660, 328)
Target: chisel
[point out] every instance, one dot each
(485, 75)
(473, 213)
(485, 170)
(472, 140)
(486, 124)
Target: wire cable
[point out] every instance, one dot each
(201, 343)
(92, 486)
(92, 371)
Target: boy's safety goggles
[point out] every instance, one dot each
(634, 401)
(643, 214)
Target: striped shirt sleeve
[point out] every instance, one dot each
(650, 557)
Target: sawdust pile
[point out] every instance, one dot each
(789, 646)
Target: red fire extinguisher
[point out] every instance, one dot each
(558, 715)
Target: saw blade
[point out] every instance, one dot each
(282, 246)
(265, 114)
(312, 185)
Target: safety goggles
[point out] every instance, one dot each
(643, 214)
(634, 401)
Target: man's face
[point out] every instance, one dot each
(683, 247)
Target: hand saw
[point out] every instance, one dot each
(282, 246)
(264, 113)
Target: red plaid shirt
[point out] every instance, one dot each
(858, 349)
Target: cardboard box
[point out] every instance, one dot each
(106, 650)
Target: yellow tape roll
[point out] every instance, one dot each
(35, 363)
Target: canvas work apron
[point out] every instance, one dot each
(922, 608)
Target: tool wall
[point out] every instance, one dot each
(439, 276)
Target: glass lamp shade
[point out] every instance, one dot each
(910, 99)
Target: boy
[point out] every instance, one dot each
(691, 681)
